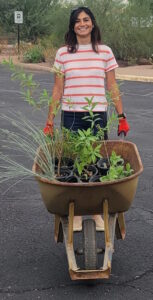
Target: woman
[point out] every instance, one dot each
(84, 63)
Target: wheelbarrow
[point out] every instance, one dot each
(112, 199)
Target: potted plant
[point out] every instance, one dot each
(82, 149)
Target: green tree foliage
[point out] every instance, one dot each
(126, 27)
(138, 21)
(36, 15)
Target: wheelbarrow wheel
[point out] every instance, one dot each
(89, 244)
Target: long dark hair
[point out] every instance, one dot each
(70, 36)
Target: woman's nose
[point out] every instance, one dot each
(82, 22)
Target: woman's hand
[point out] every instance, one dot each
(48, 129)
(123, 126)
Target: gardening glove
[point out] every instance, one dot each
(123, 125)
(48, 129)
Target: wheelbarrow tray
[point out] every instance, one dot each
(88, 198)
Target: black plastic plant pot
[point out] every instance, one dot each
(120, 162)
(72, 179)
(103, 166)
(95, 178)
(87, 173)
(66, 163)
(92, 169)
(64, 174)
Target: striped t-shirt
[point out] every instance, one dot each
(84, 73)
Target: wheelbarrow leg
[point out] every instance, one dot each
(120, 226)
(109, 224)
(58, 232)
(67, 225)
(70, 228)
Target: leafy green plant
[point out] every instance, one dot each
(29, 87)
(115, 159)
(117, 170)
(93, 117)
(86, 150)
(69, 140)
(57, 71)
(83, 146)
(34, 55)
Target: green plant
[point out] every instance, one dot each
(93, 117)
(48, 49)
(86, 150)
(83, 146)
(117, 170)
(29, 87)
(26, 139)
(34, 55)
(69, 140)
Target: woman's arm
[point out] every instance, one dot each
(112, 87)
(56, 97)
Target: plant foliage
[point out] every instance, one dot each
(117, 169)
(34, 55)
(84, 146)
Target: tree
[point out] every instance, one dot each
(36, 16)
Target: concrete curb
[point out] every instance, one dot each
(34, 67)
(134, 78)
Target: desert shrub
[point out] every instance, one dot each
(34, 55)
(49, 50)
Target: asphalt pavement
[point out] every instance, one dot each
(32, 265)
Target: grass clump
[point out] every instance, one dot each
(24, 141)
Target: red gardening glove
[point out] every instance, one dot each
(48, 129)
(123, 126)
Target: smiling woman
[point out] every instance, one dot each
(83, 63)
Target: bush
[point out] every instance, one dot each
(24, 47)
(49, 50)
(34, 55)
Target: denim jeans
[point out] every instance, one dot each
(75, 121)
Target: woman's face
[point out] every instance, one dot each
(83, 25)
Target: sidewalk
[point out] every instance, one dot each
(142, 73)
(135, 73)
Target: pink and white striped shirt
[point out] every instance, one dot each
(84, 73)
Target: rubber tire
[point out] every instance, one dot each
(89, 244)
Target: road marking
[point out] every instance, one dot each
(141, 95)
(10, 91)
(148, 94)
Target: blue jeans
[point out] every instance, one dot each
(75, 121)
